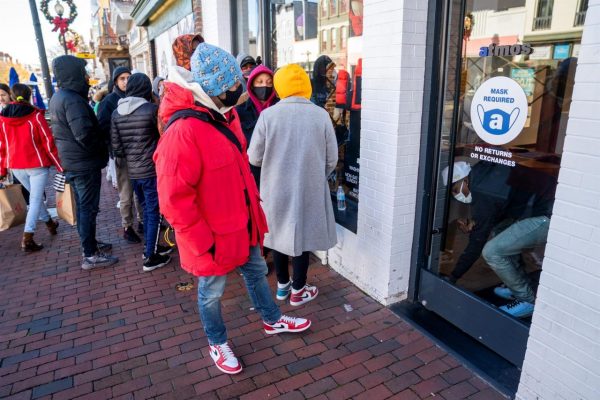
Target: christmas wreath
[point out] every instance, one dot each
(73, 40)
(60, 24)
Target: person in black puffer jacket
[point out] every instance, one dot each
(128, 203)
(82, 150)
(134, 137)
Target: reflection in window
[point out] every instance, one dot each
(543, 18)
(580, 14)
(324, 4)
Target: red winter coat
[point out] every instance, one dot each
(203, 180)
(25, 139)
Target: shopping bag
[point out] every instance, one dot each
(59, 182)
(65, 205)
(13, 209)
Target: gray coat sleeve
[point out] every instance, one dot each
(256, 151)
(331, 155)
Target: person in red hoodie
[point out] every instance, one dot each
(27, 148)
(209, 196)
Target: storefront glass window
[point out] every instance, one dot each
(506, 110)
(326, 35)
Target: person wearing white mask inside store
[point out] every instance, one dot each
(484, 188)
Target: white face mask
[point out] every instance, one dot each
(461, 197)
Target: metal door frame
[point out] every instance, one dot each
(484, 322)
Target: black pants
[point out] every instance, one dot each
(299, 266)
(86, 186)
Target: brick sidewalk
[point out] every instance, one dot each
(121, 333)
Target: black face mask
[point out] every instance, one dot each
(263, 92)
(231, 98)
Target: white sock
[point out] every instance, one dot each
(297, 290)
(282, 285)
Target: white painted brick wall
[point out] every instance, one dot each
(563, 351)
(377, 259)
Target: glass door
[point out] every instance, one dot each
(507, 92)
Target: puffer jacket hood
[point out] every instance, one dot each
(129, 104)
(139, 85)
(70, 73)
(320, 68)
(257, 103)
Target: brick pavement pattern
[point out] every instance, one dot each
(120, 333)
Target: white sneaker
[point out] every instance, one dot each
(304, 295)
(224, 359)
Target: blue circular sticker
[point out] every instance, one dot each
(499, 110)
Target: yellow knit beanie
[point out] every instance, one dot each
(292, 80)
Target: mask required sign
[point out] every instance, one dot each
(499, 110)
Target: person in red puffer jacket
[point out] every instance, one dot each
(27, 148)
(209, 196)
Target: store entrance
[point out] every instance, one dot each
(506, 97)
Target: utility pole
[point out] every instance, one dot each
(39, 38)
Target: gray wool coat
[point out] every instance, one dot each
(294, 144)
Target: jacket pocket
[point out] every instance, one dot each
(232, 248)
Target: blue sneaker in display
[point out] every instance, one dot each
(504, 292)
(284, 290)
(518, 308)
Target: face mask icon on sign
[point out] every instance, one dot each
(496, 121)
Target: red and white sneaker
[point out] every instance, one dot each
(224, 359)
(304, 295)
(287, 324)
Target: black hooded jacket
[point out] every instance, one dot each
(322, 88)
(81, 145)
(109, 103)
(134, 129)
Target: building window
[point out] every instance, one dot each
(333, 5)
(543, 16)
(324, 6)
(343, 37)
(324, 37)
(334, 43)
(580, 14)
(343, 6)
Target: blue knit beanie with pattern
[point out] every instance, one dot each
(215, 69)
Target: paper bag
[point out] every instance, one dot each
(65, 205)
(13, 209)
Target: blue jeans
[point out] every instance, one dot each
(211, 288)
(34, 180)
(502, 254)
(147, 194)
(86, 186)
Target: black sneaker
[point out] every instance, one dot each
(164, 250)
(130, 236)
(155, 261)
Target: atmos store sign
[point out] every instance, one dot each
(505, 51)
